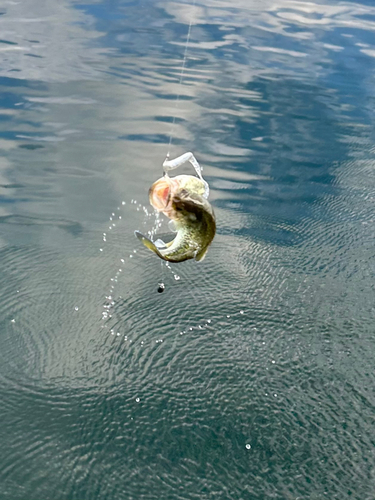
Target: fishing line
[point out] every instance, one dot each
(161, 285)
(180, 83)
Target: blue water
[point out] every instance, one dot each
(252, 376)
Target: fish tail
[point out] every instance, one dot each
(148, 243)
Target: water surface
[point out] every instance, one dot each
(251, 376)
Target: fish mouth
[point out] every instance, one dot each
(161, 194)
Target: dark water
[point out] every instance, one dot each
(251, 376)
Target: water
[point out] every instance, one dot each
(251, 376)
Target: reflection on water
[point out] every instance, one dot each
(251, 376)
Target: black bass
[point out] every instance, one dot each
(183, 200)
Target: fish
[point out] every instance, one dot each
(183, 200)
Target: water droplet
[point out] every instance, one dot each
(248, 446)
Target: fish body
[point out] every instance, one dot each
(183, 200)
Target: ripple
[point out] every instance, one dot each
(110, 389)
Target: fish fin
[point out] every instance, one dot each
(170, 243)
(159, 243)
(147, 243)
(201, 255)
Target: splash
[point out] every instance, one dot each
(112, 298)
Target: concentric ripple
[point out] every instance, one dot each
(251, 376)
